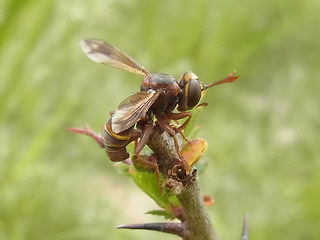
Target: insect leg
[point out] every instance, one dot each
(147, 131)
(162, 123)
(149, 163)
(178, 116)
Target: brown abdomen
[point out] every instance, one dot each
(115, 144)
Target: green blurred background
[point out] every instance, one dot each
(263, 130)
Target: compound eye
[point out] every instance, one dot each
(194, 93)
(186, 77)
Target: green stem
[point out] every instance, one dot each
(196, 218)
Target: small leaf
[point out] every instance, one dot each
(166, 214)
(147, 182)
(193, 150)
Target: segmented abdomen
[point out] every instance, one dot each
(116, 143)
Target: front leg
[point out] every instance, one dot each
(178, 116)
(163, 124)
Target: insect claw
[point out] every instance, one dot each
(166, 227)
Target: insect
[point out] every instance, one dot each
(160, 94)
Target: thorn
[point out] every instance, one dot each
(173, 228)
(88, 131)
(245, 229)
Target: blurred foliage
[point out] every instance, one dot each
(262, 131)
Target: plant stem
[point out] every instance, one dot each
(196, 219)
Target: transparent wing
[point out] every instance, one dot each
(102, 52)
(132, 109)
